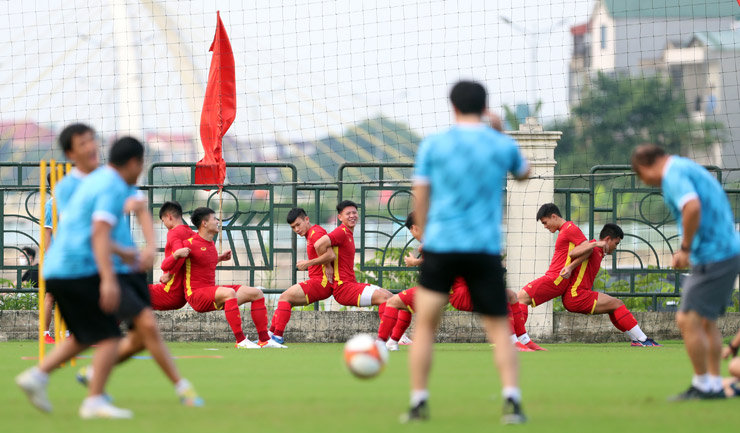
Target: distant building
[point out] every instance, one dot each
(691, 41)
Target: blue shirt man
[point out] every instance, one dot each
(716, 238)
(466, 168)
(100, 196)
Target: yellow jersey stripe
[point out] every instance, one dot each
(336, 266)
(324, 280)
(189, 290)
(571, 245)
(168, 286)
(579, 280)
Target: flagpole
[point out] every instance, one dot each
(220, 220)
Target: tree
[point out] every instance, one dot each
(618, 113)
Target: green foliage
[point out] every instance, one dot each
(617, 114)
(19, 301)
(391, 280)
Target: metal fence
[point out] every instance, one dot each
(260, 194)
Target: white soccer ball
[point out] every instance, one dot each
(365, 357)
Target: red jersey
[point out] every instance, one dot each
(569, 237)
(460, 295)
(584, 276)
(343, 241)
(175, 239)
(200, 266)
(313, 235)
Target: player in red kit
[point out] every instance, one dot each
(347, 291)
(204, 295)
(397, 315)
(579, 296)
(317, 287)
(552, 284)
(169, 293)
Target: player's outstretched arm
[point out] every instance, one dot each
(325, 254)
(584, 249)
(568, 270)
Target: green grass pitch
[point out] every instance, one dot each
(571, 388)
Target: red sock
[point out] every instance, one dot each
(231, 311)
(259, 317)
(516, 313)
(525, 312)
(404, 320)
(623, 319)
(381, 310)
(281, 318)
(387, 322)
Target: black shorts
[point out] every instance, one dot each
(134, 296)
(482, 272)
(79, 303)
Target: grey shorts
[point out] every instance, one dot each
(708, 290)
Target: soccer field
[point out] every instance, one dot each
(570, 388)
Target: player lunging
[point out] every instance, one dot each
(169, 293)
(580, 298)
(317, 287)
(204, 295)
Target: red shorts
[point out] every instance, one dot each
(407, 297)
(460, 296)
(315, 291)
(580, 300)
(543, 289)
(162, 300)
(203, 299)
(354, 294)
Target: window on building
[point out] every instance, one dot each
(603, 37)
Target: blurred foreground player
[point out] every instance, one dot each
(458, 182)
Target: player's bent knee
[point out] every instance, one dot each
(734, 367)
(396, 302)
(524, 298)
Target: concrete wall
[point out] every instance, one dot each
(338, 326)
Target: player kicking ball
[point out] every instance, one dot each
(317, 287)
(347, 291)
(204, 295)
(580, 298)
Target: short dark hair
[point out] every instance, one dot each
(124, 150)
(171, 207)
(646, 155)
(469, 97)
(611, 230)
(409, 221)
(30, 252)
(69, 132)
(547, 210)
(295, 213)
(201, 214)
(345, 204)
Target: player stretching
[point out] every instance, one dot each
(317, 287)
(169, 293)
(204, 295)
(579, 298)
(347, 291)
(552, 284)
(399, 308)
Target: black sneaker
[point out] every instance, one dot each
(694, 393)
(717, 394)
(420, 412)
(513, 413)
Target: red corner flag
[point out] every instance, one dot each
(219, 109)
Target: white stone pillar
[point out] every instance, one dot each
(529, 246)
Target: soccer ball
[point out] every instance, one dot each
(365, 357)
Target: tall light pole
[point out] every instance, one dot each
(535, 45)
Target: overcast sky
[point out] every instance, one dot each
(303, 67)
